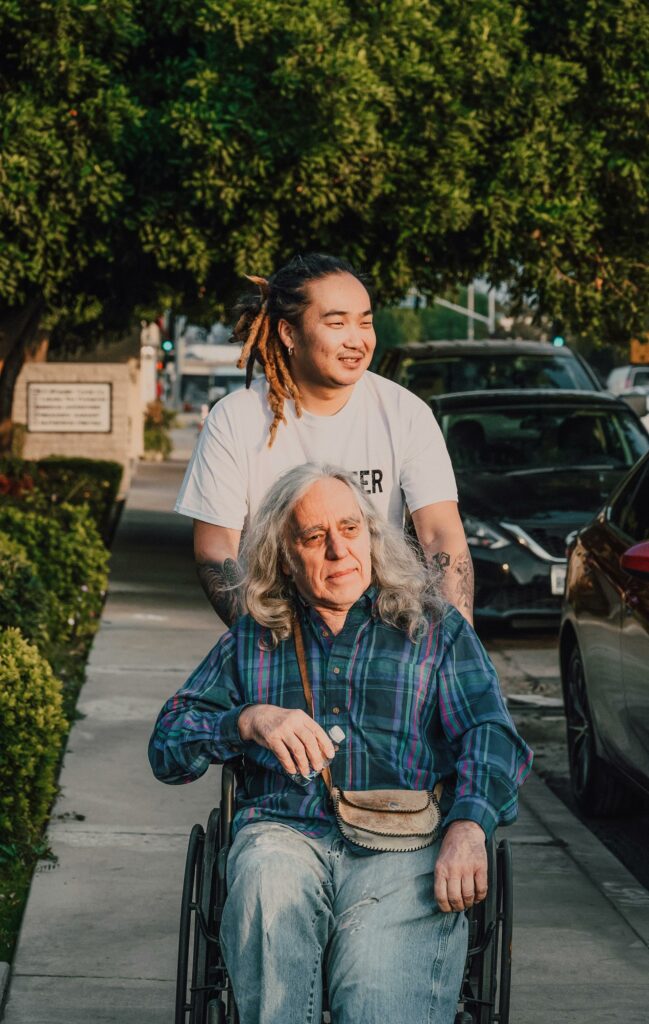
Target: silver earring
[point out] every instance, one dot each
(291, 351)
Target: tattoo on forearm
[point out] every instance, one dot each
(221, 582)
(442, 560)
(456, 578)
(462, 569)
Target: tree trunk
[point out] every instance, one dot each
(18, 327)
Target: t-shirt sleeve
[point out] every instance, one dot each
(215, 487)
(426, 472)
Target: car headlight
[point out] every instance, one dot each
(481, 535)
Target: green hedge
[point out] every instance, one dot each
(55, 481)
(24, 601)
(32, 730)
(72, 564)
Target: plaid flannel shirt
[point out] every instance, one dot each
(412, 713)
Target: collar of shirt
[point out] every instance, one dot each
(363, 609)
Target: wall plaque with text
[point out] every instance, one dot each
(75, 408)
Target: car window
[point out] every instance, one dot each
(436, 376)
(640, 378)
(630, 510)
(520, 440)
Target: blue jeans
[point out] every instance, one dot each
(295, 904)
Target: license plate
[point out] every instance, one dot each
(557, 579)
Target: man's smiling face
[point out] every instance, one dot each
(336, 340)
(328, 547)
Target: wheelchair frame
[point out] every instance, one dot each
(203, 990)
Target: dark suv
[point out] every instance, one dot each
(432, 368)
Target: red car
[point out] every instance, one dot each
(604, 652)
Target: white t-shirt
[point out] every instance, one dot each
(384, 434)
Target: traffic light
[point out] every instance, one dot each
(558, 339)
(168, 347)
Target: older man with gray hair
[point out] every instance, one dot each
(345, 637)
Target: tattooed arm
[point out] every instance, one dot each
(215, 550)
(441, 535)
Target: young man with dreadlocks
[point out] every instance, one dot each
(310, 328)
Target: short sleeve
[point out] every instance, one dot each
(215, 487)
(426, 472)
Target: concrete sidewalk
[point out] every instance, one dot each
(98, 943)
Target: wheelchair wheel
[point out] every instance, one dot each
(506, 918)
(208, 971)
(487, 979)
(193, 865)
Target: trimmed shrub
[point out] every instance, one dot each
(24, 602)
(71, 561)
(157, 421)
(77, 481)
(56, 481)
(32, 730)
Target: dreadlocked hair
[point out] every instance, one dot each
(282, 297)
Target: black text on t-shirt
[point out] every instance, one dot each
(370, 480)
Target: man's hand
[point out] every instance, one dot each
(461, 869)
(299, 743)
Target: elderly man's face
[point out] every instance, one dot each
(329, 546)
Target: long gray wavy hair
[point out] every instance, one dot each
(408, 597)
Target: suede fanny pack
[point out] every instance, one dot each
(383, 820)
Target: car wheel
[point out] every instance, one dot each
(596, 789)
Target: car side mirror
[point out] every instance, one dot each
(635, 560)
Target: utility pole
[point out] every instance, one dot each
(469, 311)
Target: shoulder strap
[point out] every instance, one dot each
(298, 640)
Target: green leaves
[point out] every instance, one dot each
(64, 115)
(172, 146)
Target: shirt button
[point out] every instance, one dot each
(336, 670)
(335, 711)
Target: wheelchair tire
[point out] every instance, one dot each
(486, 974)
(206, 947)
(479, 985)
(193, 866)
(506, 917)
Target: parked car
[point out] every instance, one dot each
(604, 652)
(627, 378)
(434, 368)
(532, 467)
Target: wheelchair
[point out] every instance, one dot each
(203, 990)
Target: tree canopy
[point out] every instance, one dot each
(157, 150)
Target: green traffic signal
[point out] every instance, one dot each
(167, 345)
